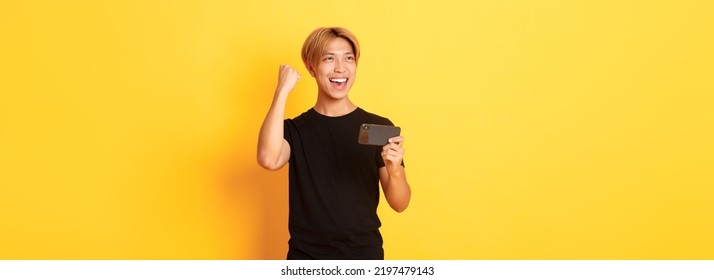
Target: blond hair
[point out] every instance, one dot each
(316, 42)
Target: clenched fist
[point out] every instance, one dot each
(287, 79)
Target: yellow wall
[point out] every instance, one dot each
(534, 129)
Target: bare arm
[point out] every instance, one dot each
(273, 149)
(392, 175)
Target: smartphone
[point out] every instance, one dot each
(375, 134)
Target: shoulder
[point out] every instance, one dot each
(299, 120)
(374, 118)
(294, 127)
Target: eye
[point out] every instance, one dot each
(350, 58)
(328, 58)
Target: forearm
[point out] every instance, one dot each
(397, 190)
(270, 140)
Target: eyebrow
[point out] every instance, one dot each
(329, 53)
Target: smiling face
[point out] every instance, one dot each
(336, 69)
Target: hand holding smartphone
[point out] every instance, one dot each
(377, 135)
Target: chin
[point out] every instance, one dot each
(338, 95)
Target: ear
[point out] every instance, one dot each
(310, 69)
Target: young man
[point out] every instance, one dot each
(334, 181)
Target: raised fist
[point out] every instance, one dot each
(287, 79)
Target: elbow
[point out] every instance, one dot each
(268, 164)
(400, 208)
(269, 167)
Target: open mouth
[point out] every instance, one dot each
(338, 81)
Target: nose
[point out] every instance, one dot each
(339, 66)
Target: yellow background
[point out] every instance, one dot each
(534, 129)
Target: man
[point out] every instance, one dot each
(334, 181)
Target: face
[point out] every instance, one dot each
(335, 71)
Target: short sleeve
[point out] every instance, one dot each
(287, 135)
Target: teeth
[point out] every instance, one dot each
(341, 80)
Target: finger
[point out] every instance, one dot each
(395, 153)
(392, 144)
(393, 159)
(397, 140)
(392, 153)
(387, 158)
(394, 147)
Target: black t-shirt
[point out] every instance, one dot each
(334, 187)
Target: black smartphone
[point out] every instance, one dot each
(375, 134)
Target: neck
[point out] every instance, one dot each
(334, 107)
